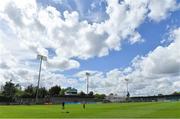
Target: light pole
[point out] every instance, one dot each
(127, 86)
(41, 57)
(87, 81)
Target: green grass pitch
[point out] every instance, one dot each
(110, 110)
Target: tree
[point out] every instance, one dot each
(176, 93)
(42, 92)
(30, 92)
(91, 93)
(1, 89)
(19, 91)
(111, 94)
(54, 91)
(160, 94)
(10, 89)
(82, 93)
(100, 96)
(62, 92)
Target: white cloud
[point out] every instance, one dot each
(62, 64)
(159, 9)
(34, 27)
(162, 60)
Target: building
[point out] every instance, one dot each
(115, 98)
(160, 98)
(71, 91)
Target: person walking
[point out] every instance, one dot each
(63, 105)
(84, 104)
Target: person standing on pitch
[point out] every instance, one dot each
(63, 105)
(84, 105)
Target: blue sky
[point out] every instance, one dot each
(111, 39)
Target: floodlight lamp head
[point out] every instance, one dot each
(126, 79)
(87, 74)
(41, 56)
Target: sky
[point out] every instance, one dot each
(113, 40)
